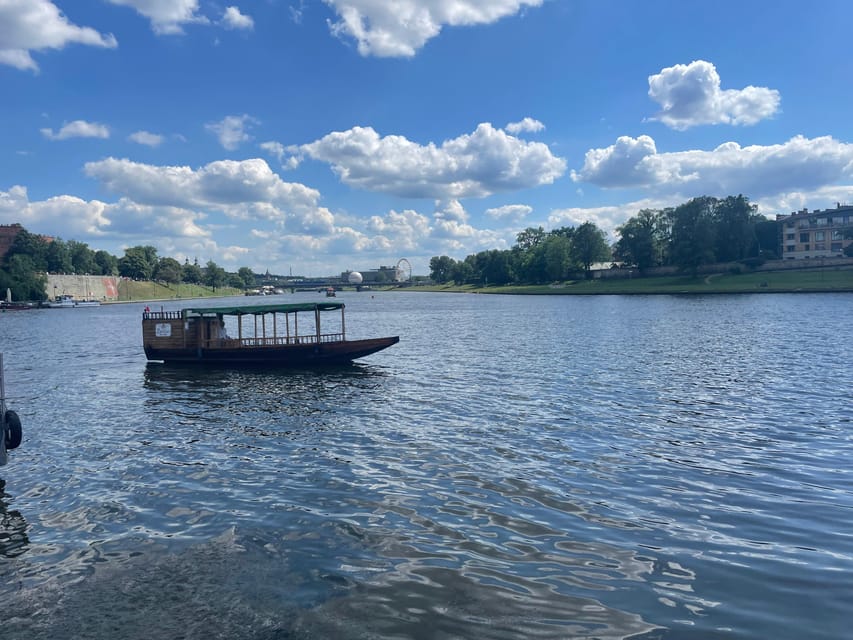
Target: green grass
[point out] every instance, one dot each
(143, 290)
(827, 280)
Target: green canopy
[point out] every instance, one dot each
(260, 309)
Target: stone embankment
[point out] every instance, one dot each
(103, 288)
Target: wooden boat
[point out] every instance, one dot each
(198, 335)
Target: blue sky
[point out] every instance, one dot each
(316, 136)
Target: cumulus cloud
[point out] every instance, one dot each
(690, 95)
(473, 165)
(167, 16)
(231, 130)
(509, 213)
(242, 190)
(528, 124)
(146, 138)
(77, 129)
(608, 217)
(233, 19)
(799, 163)
(36, 25)
(399, 29)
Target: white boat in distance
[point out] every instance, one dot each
(67, 301)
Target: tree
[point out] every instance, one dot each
(693, 234)
(59, 257)
(246, 278)
(639, 241)
(31, 245)
(589, 244)
(214, 275)
(766, 238)
(734, 232)
(138, 263)
(440, 268)
(192, 273)
(23, 279)
(495, 267)
(529, 238)
(107, 263)
(557, 251)
(82, 258)
(168, 270)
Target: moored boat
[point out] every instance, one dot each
(198, 335)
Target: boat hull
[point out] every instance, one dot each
(281, 355)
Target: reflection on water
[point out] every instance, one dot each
(13, 528)
(518, 468)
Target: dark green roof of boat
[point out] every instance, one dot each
(258, 309)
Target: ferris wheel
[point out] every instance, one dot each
(404, 271)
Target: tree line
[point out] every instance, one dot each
(701, 231)
(32, 256)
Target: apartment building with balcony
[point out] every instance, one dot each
(816, 234)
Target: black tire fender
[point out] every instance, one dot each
(12, 429)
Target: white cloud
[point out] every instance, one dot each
(77, 129)
(528, 124)
(798, 164)
(399, 29)
(146, 138)
(623, 164)
(233, 19)
(231, 130)
(475, 165)
(35, 25)
(242, 190)
(509, 212)
(167, 16)
(690, 95)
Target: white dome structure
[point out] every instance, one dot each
(355, 278)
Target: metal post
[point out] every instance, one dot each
(317, 322)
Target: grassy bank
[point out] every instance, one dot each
(828, 280)
(143, 290)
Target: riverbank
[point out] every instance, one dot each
(838, 279)
(147, 291)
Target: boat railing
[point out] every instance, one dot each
(270, 341)
(162, 315)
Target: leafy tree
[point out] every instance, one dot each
(107, 263)
(59, 257)
(462, 271)
(640, 242)
(495, 266)
(693, 234)
(192, 273)
(734, 233)
(440, 269)
(138, 263)
(766, 243)
(31, 245)
(214, 275)
(168, 270)
(246, 278)
(82, 258)
(557, 252)
(529, 238)
(234, 281)
(589, 244)
(23, 279)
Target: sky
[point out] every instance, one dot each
(310, 137)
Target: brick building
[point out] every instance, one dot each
(8, 233)
(816, 234)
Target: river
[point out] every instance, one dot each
(655, 467)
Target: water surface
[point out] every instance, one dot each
(516, 467)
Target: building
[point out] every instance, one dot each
(8, 233)
(816, 234)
